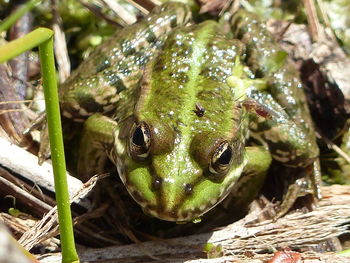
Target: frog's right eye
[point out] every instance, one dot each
(213, 153)
(221, 159)
(140, 142)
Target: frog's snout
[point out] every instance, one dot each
(171, 192)
(174, 204)
(163, 215)
(172, 214)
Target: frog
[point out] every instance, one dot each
(173, 105)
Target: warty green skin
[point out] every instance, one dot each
(156, 74)
(266, 59)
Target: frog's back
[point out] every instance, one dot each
(187, 75)
(117, 64)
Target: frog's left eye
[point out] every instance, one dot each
(140, 142)
(221, 158)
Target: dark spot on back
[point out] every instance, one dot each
(103, 64)
(141, 58)
(89, 104)
(150, 36)
(173, 21)
(114, 80)
(124, 68)
(127, 47)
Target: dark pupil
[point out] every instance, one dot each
(225, 157)
(137, 137)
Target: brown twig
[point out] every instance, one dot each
(61, 51)
(314, 23)
(244, 239)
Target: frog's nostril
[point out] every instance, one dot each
(188, 189)
(157, 183)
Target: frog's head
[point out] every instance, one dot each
(182, 150)
(178, 175)
(177, 163)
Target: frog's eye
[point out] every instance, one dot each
(140, 142)
(221, 159)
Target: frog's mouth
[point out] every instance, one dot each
(181, 209)
(173, 216)
(174, 196)
(161, 205)
(177, 214)
(169, 211)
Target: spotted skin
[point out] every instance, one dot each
(156, 73)
(100, 81)
(191, 76)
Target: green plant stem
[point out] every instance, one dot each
(10, 20)
(25, 43)
(43, 38)
(69, 253)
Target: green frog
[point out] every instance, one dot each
(173, 105)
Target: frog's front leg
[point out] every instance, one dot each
(287, 142)
(250, 182)
(95, 145)
(268, 60)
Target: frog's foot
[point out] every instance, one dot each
(298, 189)
(307, 186)
(288, 143)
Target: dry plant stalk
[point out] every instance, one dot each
(47, 227)
(243, 240)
